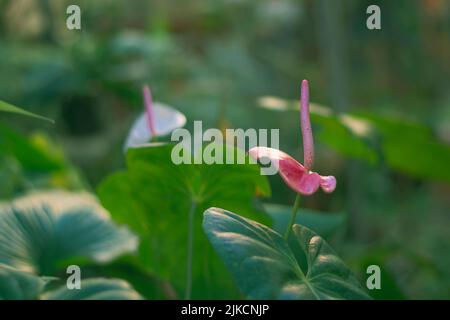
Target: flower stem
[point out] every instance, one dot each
(294, 214)
(190, 250)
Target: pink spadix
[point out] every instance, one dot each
(305, 123)
(148, 101)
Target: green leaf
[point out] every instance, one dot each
(412, 148)
(342, 135)
(6, 107)
(39, 232)
(328, 276)
(154, 196)
(148, 284)
(264, 266)
(325, 224)
(322, 223)
(95, 289)
(34, 162)
(26, 152)
(19, 285)
(10, 175)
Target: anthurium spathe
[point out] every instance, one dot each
(297, 176)
(157, 120)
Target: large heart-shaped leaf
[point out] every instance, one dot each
(154, 197)
(41, 231)
(7, 107)
(265, 267)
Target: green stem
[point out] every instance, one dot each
(190, 251)
(294, 214)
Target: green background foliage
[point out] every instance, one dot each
(380, 117)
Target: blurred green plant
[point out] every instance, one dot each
(34, 162)
(20, 285)
(42, 233)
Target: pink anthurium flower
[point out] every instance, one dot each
(157, 120)
(297, 176)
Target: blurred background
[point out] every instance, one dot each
(382, 126)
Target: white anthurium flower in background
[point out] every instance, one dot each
(157, 120)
